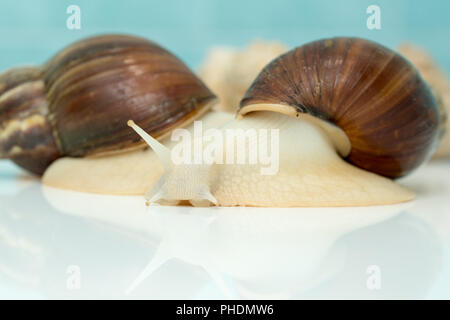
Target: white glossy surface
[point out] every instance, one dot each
(199, 253)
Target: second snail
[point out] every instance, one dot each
(352, 116)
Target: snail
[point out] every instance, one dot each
(352, 115)
(77, 104)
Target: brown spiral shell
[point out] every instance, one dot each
(25, 134)
(94, 86)
(372, 93)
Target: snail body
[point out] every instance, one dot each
(78, 102)
(311, 173)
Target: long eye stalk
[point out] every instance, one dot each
(179, 182)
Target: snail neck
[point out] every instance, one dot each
(337, 136)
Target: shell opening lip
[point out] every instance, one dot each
(338, 137)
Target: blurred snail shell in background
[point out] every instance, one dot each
(229, 71)
(439, 84)
(78, 103)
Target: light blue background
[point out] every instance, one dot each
(32, 31)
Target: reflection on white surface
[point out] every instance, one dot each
(181, 252)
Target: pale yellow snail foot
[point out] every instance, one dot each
(130, 173)
(310, 173)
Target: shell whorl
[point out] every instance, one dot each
(25, 132)
(88, 91)
(372, 93)
(95, 85)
